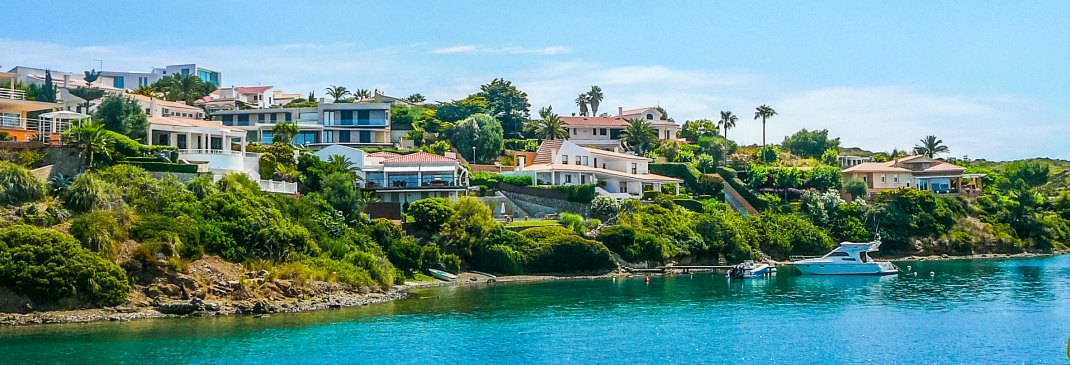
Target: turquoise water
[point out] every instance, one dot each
(971, 311)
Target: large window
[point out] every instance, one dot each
(118, 82)
(401, 181)
(266, 138)
(9, 119)
(305, 137)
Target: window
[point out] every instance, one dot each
(118, 82)
(585, 161)
(603, 131)
(884, 178)
(865, 179)
(573, 131)
(185, 71)
(635, 168)
(579, 159)
(837, 254)
(895, 178)
(596, 162)
(564, 159)
(568, 178)
(623, 187)
(650, 117)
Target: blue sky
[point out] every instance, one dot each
(990, 78)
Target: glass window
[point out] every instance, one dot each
(568, 178)
(650, 117)
(884, 178)
(265, 137)
(585, 161)
(623, 187)
(838, 253)
(564, 159)
(635, 168)
(118, 82)
(895, 178)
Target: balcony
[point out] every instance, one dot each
(33, 129)
(224, 161)
(12, 94)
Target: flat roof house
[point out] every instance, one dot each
(14, 112)
(404, 178)
(351, 124)
(916, 172)
(562, 162)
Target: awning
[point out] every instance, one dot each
(64, 115)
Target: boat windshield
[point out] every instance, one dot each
(864, 257)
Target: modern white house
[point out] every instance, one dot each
(156, 107)
(232, 98)
(604, 132)
(351, 124)
(562, 162)
(404, 178)
(117, 80)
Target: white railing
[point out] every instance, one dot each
(12, 94)
(45, 129)
(282, 187)
(208, 151)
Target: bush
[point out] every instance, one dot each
(605, 207)
(825, 178)
(782, 235)
(165, 167)
(541, 234)
(856, 187)
(570, 254)
(576, 193)
(633, 246)
(518, 180)
(18, 185)
(99, 231)
(429, 214)
(47, 265)
(179, 234)
(689, 204)
(89, 192)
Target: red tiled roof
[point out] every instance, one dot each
(594, 121)
(635, 111)
(419, 157)
(251, 89)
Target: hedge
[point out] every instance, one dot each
(576, 193)
(732, 178)
(492, 180)
(689, 204)
(165, 167)
(685, 172)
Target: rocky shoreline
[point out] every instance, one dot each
(974, 256)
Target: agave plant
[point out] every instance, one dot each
(57, 184)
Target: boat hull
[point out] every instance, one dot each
(826, 268)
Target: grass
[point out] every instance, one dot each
(534, 223)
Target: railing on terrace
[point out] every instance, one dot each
(203, 151)
(12, 94)
(281, 187)
(45, 130)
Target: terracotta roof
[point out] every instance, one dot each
(384, 154)
(252, 89)
(635, 111)
(584, 168)
(419, 157)
(545, 152)
(875, 167)
(187, 122)
(161, 102)
(616, 154)
(595, 121)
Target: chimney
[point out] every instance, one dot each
(66, 80)
(620, 112)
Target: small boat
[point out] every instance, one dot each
(442, 275)
(750, 269)
(851, 258)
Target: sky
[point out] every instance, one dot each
(991, 79)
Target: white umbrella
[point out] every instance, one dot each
(64, 115)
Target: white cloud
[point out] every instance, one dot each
(473, 49)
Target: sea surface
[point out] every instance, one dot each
(968, 311)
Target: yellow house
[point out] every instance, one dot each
(916, 172)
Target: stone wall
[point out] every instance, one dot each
(537, 206)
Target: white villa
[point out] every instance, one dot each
(404, 178)
(604, 132)
(231, 98)
(563, 162)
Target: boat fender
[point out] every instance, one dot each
(908, 267)
(932, 273)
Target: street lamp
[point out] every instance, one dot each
(473, 154)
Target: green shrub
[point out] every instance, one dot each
(99, 231)
(541, 234)
(633, 246)
(180, 234)
(156, 166)
(88, 192)
(429, 214)
(499, 259)
(570, 254)
(18, 185)
(689, 204)
(573, 221)
(576, 193)
(47, 265)
(604, 207)
(518, 180)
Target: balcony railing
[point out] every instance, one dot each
(218, 152)
(12, 94)
(34, 130)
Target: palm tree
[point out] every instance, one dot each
(550, 127)
(765, 112)
(728, 121)
(594, 97)
(145, 90)
(338, 93)
(581, 101)
(91, 138)
(284, 132)
(342, 163)
(362, 94)
(183, 87)
(416, 98)
(931, 146)
(638, 134)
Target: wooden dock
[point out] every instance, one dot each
(678, 268)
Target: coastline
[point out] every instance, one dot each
(339, 297)
(336, 299)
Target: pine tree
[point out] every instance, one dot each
(48, 92)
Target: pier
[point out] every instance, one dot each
(677, 268)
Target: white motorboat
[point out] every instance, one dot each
(851, 258)
(750, 269)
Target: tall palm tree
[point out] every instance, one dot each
(594, 97)
(550, 127)
(91, 138)
(183, 87)
(338, 93)
(416, 98)
(341, 163)
(931, 146)
(638, 134)
(728, 121)
(362, 94)
(765, 112)
(581, 101)
(284, 132)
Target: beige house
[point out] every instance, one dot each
(916, 172)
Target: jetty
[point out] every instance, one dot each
(676, 268)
